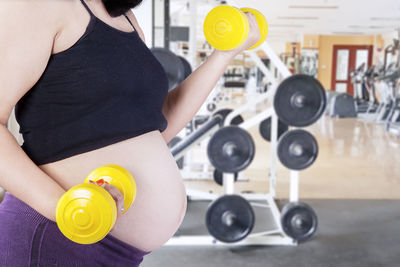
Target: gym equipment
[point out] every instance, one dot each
(211, 107)
(231, 149)
(268, 235)
(365, 92)
(361, 96)
(218, 177)
(172, 64)
(173, 143)
(265, 129)
(87, 212)
(196, 122)
(225, 112)
(235, 77)
(297, 149)
(179, 149)
(299, 221)
(227, 27)
(330, 95)
(393, 118)
(382, 80)
(187, 67)
(300, 100)
(343, 106)
(230, 218)
(196, 137)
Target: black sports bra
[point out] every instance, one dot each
(106, 88)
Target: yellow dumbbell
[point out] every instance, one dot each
(227, 27)
(87, 212)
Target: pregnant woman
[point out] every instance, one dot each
(88, 92)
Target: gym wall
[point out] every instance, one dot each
(326, 43)
(291, 46)
(311, 41)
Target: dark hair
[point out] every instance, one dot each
(119, 7)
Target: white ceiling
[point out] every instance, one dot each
(289, 19)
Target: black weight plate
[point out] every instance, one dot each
(171, 144)
(172, 65)
(211, 107)
(187, 67)
(300, 100)
(231, 149)
(218, 177)
(299, 221)
(225, 112)
(230, 218)
(265, 129)
(297, 149)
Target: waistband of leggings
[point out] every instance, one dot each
(12, 204)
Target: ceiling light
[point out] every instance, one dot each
(305, 18)
(314, 7)
(357, 26)
(385, 18)
(287, 25)
(348, 33)
(369, 27)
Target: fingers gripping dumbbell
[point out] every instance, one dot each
(226, 27)
(87, 212)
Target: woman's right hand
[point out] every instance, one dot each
(116, 194)
(253, 37)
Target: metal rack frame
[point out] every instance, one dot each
(268, 237)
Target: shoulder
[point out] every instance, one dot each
(27, 32)
(132, 17)
(31, 15)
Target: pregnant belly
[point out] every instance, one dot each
(161, 198)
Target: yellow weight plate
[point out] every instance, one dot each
(226, 27)
(86, 213)
(262, 24)
(118, 177)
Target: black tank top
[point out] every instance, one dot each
(106, 88)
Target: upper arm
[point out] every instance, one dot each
(27, 32)
(132, 17)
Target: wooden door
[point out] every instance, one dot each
(347, 58)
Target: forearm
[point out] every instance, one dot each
(23, 179)
(184, 101)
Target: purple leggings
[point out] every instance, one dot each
(29, 239)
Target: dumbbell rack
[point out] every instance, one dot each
(269, 237)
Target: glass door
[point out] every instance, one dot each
(347, 58)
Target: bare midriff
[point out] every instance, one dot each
(161, 198)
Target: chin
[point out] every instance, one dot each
(119, 7)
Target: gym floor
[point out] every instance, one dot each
(352, 155)
(351, 233)
(353, 187)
